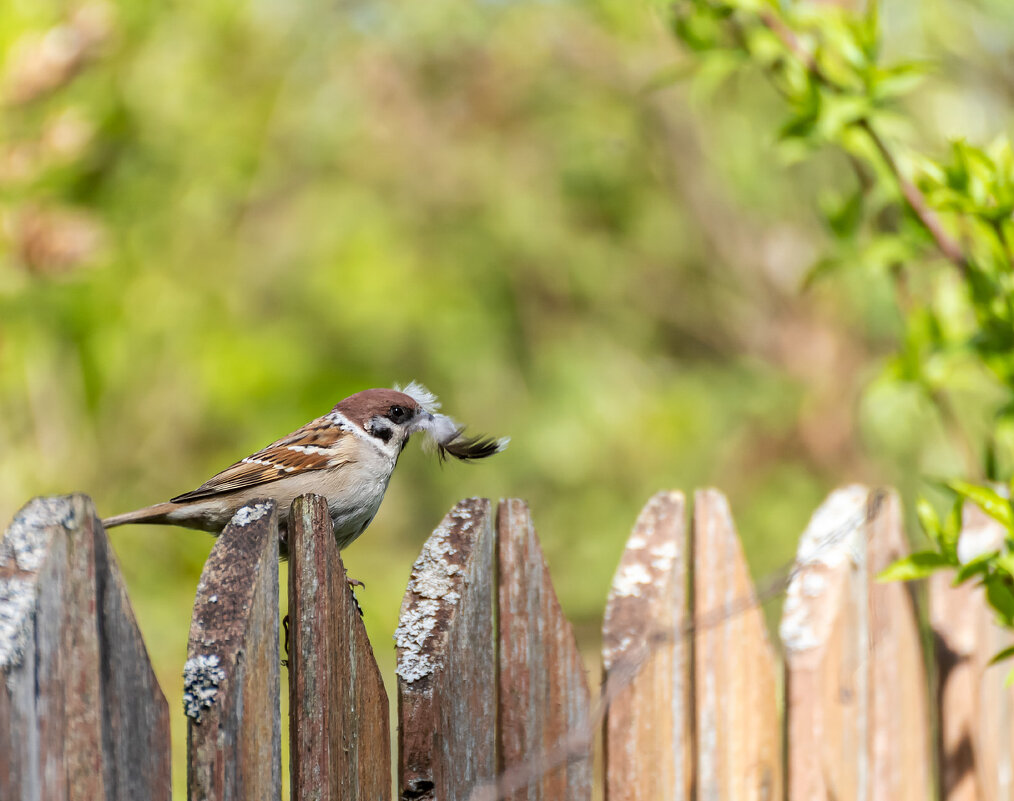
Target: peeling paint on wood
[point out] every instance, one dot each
(234, 751)
(738, 731)
(646, 654)
(447, 661)
(544, 698)
(339, 737)
(81, 715)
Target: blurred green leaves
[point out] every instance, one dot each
(940, 227)
(218, 219)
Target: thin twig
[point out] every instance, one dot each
(916, 201)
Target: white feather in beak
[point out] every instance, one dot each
(443, 432)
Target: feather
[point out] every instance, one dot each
(319, 445)
(417, 392)
(469, 448)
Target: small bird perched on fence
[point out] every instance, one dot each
(346, 456)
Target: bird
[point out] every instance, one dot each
(347, 456)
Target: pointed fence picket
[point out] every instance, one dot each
(856, 686)
(646, 661)
(231, 677)
(975, 738)
(493, 699)
(339, 738)
(446, 643)
(81, 714)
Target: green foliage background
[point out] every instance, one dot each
(217, 219)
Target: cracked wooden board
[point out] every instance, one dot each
(231, 678)
(81, 713)
(340, 744)
(544, 715)
(447, 661)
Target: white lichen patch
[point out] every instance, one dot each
(835, 531)
(630, 578)
(833, 539)
(433, 574)
(202, 676)
(637, 541)
(435, 581)
(17, 598)
(813, 584)
(249, 514)
(663, 555)
(411, 636)
(796, 628)
(26, 538)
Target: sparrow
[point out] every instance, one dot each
(346, 456)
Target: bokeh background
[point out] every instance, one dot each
(217, 219)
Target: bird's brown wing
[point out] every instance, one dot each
(318, 445)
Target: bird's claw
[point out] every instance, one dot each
(352, 584)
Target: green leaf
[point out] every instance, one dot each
(914, 566)
(928, 519)
(1005, 562)
(840, 111)
(1010, 678)
(896, 81)
(980, 564)
(1001, 597)
(986, 499)
(950, 532)
(843, 217)
(1006, 653)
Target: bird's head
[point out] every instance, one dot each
(393, 415)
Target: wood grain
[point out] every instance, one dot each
(738, 731)
(231, 679)
(339, 736)
(544, 699)
(135, 712)
(646, 657)
(81, 715)
(447, 661)
(975, 742)
(824, 634)
(899, 734)
(855, 684)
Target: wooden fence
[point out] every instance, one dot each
(493, 698)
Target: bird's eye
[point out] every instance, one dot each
(397, 413)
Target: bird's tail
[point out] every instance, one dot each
(150, 514)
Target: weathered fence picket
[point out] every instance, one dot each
(739, 743)
(856, 687)
(975, 742)
(340, 743)
(899, 734)
(492, 695)
(544, 698)
(231, 678)
(81, 714)
(447, 660)
(646, 660)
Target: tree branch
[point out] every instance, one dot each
(916, 201)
